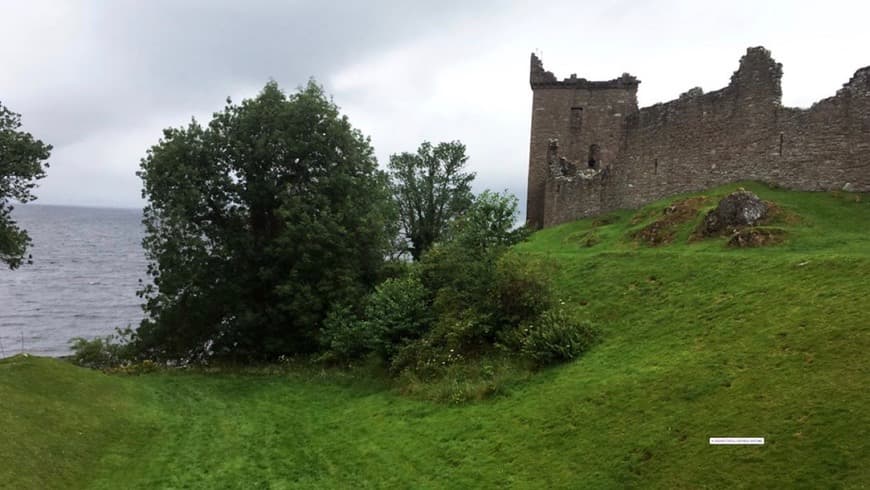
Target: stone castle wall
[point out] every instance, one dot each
(741, 132)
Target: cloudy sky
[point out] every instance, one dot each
(100, 79)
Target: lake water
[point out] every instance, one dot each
(86, 267)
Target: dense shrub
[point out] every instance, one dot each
(467, 300)
(477, 301)
(521, 289)
(343, 336)
(102, 352)
(463, 272)
(481, 292)
(554, 337)
(427, 359)
(396, 313)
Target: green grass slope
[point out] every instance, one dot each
(59, 423)
(698, 340)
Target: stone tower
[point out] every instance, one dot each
(574, 120)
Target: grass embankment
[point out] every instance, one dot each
(698, 340)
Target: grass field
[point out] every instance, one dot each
(698, 340)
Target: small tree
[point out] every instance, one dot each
(488, 223)
(23, 160)
(430, 188)
(461, 268)
(258, 224)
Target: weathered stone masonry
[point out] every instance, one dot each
(592, 150)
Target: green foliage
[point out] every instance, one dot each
(488, 224)
(452, 305)
(343, 336)
(396, 313)
(481, 293)
(430, 189)
(554, 337)
(96, 353)
(23, 161)
(104, 352)
(470, 272)
(432, 356)
(460, 270)
(257, 225)
(521, 289)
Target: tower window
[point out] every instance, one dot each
(594, 156)
(576, 118)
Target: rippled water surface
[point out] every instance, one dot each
(86, 266)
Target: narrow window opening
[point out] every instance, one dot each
(594, 156)
(576, 118)
(656, 167)
(781, 139)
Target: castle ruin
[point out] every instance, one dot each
(592, 150)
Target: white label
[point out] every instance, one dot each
(736, 440)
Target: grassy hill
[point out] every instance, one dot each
(698, 340)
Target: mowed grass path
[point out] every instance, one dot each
(697, 341)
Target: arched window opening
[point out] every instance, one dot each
(594, 156)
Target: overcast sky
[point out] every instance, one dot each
(100, 79)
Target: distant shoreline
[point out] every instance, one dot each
(81, 206)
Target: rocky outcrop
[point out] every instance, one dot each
(736, 210)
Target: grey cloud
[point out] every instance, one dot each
(126, 62)
(99, 79)
(167, 56)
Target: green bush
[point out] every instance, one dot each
(468, 299)
(427, 358)
(453, 339)
(396, 313)
(480, 291)
(479, 301)
(521, 290)
(463, 265)
(101, 352)
(488, 223)
(554, 337)
(343, 336)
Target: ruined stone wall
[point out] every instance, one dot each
(740, 132)
(577, 113)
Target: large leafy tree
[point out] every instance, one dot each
(23, 161)
(256, 225)
(430, 187)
